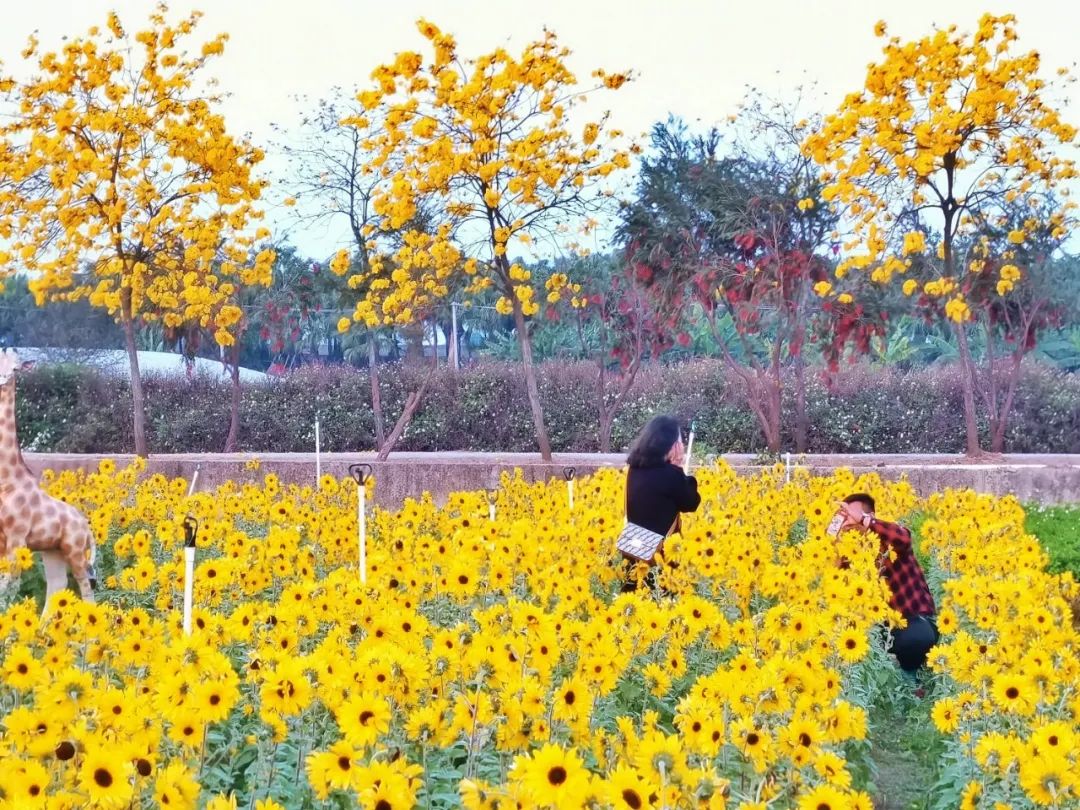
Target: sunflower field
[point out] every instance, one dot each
(495, 663)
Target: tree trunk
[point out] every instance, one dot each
(414, 342)
(138, 398)
(607, 420)
(234, 403)
(412, 402)
(774, 410)
(525, 342)
(997, 439)
(759, 396)
(802, 422)
(967, 374)
(754, 399)
(376, 395)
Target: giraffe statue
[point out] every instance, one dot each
(30, 518)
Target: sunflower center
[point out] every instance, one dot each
(557, 775)
(1012, 693)
(102, 777)
(344, 763)
(752, 738)
(569, 697)
(366, 716)
(804, 739)
(632, 799)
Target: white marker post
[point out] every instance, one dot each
(787, 468)
(491, 496)
(318, 456)
(191, 531)
(194, 479)
(568, 474)
(689, 450)
(360, 474)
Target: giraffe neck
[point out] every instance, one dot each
(11, 460)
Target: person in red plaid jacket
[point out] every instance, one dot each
(910, 594)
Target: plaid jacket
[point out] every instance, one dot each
(910, 593)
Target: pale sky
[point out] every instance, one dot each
(692, 57)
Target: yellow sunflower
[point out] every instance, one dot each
(105, 780)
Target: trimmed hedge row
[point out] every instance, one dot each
(863, 409)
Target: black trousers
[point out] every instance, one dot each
(630, 580)
(648, 582)
(911, 644)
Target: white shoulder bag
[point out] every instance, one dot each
(636, 541)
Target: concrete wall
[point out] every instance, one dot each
(1049, 479)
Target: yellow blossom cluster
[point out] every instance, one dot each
(943, 130)
(560, 288)
(957, 309)
(122, 185)
(487, 143)
(1009, 275)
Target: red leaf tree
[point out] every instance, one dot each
(739, 241)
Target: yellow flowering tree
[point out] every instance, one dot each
(1016, 290)
(127, 190)
(331, 177)
(490, 144)
(947, 132)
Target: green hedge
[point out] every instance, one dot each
(864, 409)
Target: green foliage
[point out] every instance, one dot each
(1058, 530)
(1062, 348)
(61, 324)
(484, 407)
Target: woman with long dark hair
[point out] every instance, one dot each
(657, 489)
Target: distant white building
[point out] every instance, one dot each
(115, 362)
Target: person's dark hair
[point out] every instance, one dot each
(655, 441)
(863, 498)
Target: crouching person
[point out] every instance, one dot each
(910, 595)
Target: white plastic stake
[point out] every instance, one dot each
(361, 516)
(689, 450)
(787, 467)
(569, 473)
(191, 529)
(318, 456)
(194, 479)
(491, 505)
(189, 582)
(360, 474)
